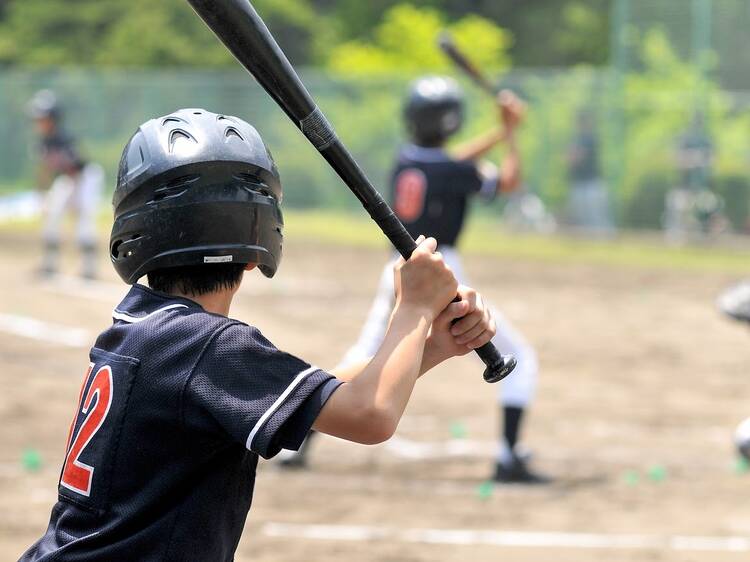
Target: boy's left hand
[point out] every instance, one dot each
(474, 327)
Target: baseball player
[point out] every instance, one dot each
(179, 400)
(431, 189)
(588, 200)
(72, 184)
(693, 207)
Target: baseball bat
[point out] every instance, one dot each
(446, 44)
(243, 32)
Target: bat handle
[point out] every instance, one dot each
(498, 366)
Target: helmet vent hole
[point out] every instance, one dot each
(172, 120)
(254, 184)
(244, 177)
(115, 250)
(174, 188)
(182, 180)
(179, 140)
(232, 132)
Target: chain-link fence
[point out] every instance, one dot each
(679, 80)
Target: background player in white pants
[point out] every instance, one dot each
(73, 186)
(430, 195)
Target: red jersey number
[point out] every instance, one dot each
(411, 188)
(77, 475)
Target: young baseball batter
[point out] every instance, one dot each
(179, 400)
(431, 189)
(72, 184)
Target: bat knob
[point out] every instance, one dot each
(500, 369)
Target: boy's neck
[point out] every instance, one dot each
(217, 302)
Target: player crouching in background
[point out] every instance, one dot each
(179, 400)
(72, 183)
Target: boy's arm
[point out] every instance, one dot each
(461, 327)
(368, 408)
(510, 168)
(511, 110)
(476, 148)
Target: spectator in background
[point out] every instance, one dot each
(71, 184)
(588, 203)
(692, 207)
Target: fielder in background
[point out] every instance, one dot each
(693, 209)
(431, 189)
(588, 204)
(71, 184)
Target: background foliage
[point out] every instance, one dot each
(641, 67)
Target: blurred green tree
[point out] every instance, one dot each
(404, 42)
(137, 32)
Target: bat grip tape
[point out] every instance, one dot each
(318, 129)
(392, 227)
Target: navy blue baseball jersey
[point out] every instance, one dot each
(60, 154)
(430, 192)
(176, 405)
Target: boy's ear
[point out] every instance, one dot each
(250, 266)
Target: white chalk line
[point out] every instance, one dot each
(48, 332)
(518, 539)
(90, 289)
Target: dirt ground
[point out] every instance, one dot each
(641, 385)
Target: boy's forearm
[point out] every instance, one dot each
(510, 167)
(390, 376)
(378, 391)
(476, 148)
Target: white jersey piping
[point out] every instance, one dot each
(277, 404)
(125, 317)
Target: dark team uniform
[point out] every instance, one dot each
(60, 154)
(176, 406)
(430, 192)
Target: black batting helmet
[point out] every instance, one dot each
(434, 110)
(193, 188)
(43, 104)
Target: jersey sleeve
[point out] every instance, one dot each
(247, 390)
(478, 178)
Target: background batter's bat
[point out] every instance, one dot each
(240, 28)
(446, 44)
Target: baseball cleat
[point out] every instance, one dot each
(517, 471)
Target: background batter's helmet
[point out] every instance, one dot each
(434, 110)
(195, 188)
(45, 104)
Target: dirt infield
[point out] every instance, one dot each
(641, 385)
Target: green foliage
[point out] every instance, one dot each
(135, 32)
(584, 33)
(404, 43)
(167, 33)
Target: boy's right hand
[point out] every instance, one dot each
(425, 282)
(511, 110)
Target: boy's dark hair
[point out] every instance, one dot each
(196, 279)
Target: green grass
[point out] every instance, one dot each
(485, 237)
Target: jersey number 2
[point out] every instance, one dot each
(95, 406)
